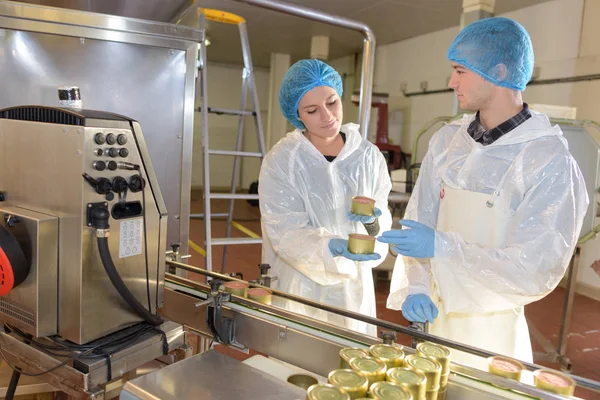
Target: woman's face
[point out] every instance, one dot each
(320, 110)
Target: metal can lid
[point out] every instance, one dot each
(406, 377)
(368, 365)
(349, 353)
(325, 391)
(348, 379)
(433, 350)
(386, 352)
(389, 391)
(423, 364)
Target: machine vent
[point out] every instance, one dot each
(17, 311)
(42, 114)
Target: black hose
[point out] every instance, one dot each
(118, 283)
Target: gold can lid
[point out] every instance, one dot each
(348, 353)
(386, 352)
(325, 391)
(368, 365)
(349, 380)
(389, 391)
(423, 364)
(433, 350)
(406, 377)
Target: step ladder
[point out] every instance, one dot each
(248, 85)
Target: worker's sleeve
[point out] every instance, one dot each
(542, 235)
(289, 230)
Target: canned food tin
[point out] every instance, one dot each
(236, 288)
(370, 367)
(324, 391)
(362, 205)
(261, 295)
(505, 367)
(439, 353)
(348, 353)
(554, 382)
(413, 381)
(391, 355)
(428, 367)
(388, 391)
(432, 394)
(442, 394)
(352, 382)
(361, 244)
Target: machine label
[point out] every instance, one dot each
(131, 238)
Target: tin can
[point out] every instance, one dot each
(348, 353)
(261, 295)
(391, 355)
(236, 288)
(352, 382)
(413, 381)
(388, 391)
(361, 244)
(324, 391)
(505, 367)
(440, 354)
(554, 382)
(432, 394)
(370, 367)
(442, 394)
(428, 367)
(362, 205)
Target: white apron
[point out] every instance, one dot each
(479, 218)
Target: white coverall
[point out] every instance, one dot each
(508, 216)
(304, 203)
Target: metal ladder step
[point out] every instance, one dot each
(230, 241)
(234, 196)
(234, 153)
(226, 111)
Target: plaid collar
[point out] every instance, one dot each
(479, 134)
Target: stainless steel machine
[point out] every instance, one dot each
(61, 170)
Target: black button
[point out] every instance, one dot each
(99, 152)
(121, 139)
(123, 152)
(99, 138)
(113, 152)
(112, 165)
(111, 139)
(99, 165)
(109, 196)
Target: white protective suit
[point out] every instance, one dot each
(304, 203)
(508, 217)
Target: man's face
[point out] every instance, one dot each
(472, 90)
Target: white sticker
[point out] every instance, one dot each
(131, 237)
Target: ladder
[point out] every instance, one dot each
(248, 84)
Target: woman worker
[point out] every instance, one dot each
(307, 182)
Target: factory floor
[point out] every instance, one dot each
(583, 347)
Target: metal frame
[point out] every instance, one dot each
(85, 25)
(280, 333)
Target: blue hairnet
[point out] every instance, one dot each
(484, 44)
(303, 76)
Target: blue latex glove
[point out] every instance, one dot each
(365, 219)
(419, 308)
(339, 247)
(418, 241)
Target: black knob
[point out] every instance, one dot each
(136, 183)
(103, 186)
(99, 165)
(112, 165)
(121, 139)
(113, 152)
(264, 268)
(99, 152)
(111, 139)
(123, 153)
(109, 196)
(119, 184)
(99, 138)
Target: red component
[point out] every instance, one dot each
(7, 277)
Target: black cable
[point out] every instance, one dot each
(12, 386)
(146, 244)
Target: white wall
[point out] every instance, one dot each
(565, 39)
(224, 91)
